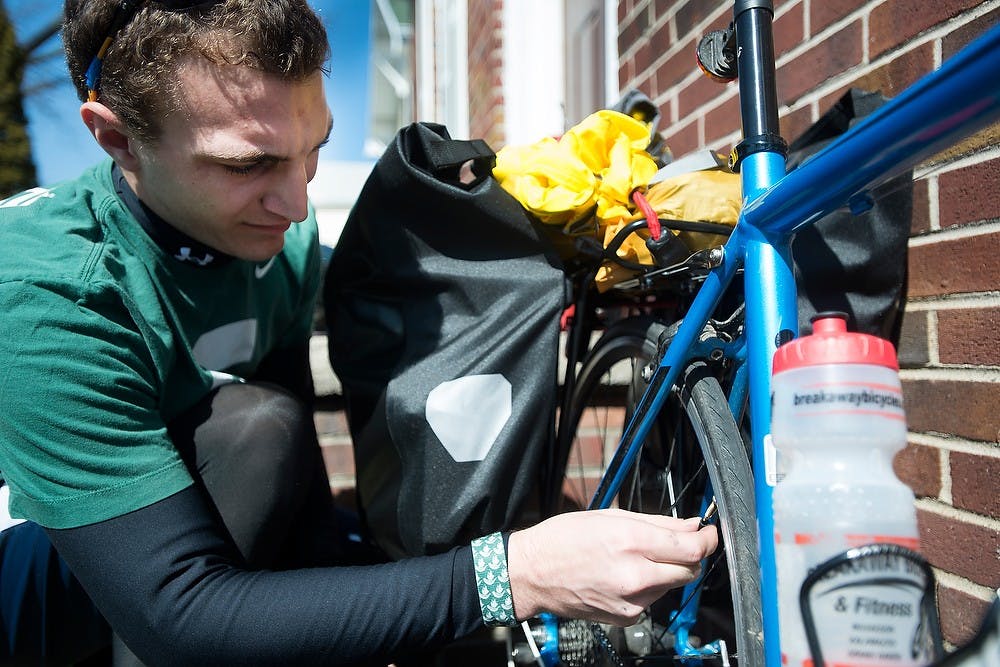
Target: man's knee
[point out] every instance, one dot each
(45, 615)
(253, 449)
(255, 429)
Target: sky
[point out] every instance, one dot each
(62, 146)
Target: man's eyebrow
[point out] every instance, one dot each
(253, 156)
(244, 157)
(329, 131)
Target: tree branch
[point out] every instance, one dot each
(43, 35)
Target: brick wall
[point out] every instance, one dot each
(949, 350)
(486, 118)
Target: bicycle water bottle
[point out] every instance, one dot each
(837, 421)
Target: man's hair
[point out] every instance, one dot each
(139, 76)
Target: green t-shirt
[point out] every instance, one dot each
(104, 338)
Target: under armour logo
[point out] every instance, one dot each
(186, 256)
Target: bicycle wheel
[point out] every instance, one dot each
(694, 438)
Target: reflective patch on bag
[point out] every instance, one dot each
(468, 413)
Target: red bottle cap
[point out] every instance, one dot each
(832, 343)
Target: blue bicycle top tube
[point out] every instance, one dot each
(949, 104)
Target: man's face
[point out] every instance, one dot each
(230, 168)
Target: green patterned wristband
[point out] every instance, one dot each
(490, 561)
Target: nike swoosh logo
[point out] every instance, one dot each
(261, 271)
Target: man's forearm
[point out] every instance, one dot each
(170, 585)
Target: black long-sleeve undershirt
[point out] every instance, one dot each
(172, 587)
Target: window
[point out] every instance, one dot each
(391, 72)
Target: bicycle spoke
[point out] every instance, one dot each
(668, 476)
(699, 585)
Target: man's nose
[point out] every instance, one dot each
(286, 197)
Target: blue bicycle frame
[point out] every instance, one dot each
(933, 114)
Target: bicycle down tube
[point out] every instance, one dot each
(953, 102)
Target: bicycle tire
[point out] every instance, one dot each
(718, 443)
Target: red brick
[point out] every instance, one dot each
(722, 120)
(789, 30)
(659, 9)
(822, 14)
(834, 55)
(919, 467)
(636, 28)
(920, 217)
(339, 459)
(664, 116)
(485, 49)
(698, 10)
(644, 60)
(952, 267)
(592, 419)
(897, 21)
(673, 70)
(625, 74)
(682, 141)
(721, 22)
(961, 614)
(669, 111)
(975, 483)
(968, 336)
(660, 41)
(795, 123)
(587, 450)
(966, 409)
(646, 83)
(954, 41)
(961, 548)
(891, 78)
(331, 423)
(914, 347)
(969, 195)
(689, 15)
(697, 93)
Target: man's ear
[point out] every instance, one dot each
(110, 133)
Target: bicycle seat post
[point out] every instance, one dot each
(758, 95)
(770, 295)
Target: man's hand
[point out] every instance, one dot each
(604, 565)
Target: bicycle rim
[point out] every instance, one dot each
(694, 438)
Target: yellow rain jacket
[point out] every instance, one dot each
(581, 184)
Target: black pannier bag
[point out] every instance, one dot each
(442, 304)
(854, 263)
